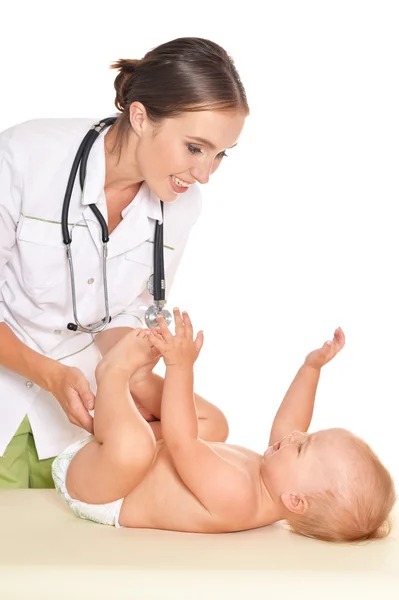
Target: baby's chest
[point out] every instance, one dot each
(163, 501)
(237, 455)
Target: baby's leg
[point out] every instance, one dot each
(123, 450)
(146, 388)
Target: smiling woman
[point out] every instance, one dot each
(180, 107)
(183, 105)
(169, 155)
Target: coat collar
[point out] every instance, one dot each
(138, 218)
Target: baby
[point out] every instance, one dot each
(328, 485)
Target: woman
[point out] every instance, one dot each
(181, 107)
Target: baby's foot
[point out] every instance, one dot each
(323, 355)
(141, 374)
(130, 354)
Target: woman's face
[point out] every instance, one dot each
(179, 151)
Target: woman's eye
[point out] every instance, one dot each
(193, 149)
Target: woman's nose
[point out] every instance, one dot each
(201, 176)
(202, 173)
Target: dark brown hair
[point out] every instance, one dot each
(184, 75)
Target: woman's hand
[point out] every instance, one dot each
(72, 390)
(178, 349)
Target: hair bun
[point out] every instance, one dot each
(126, 67)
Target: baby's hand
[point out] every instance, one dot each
(179, 349)
(323, 355)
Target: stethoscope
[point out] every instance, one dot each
(156, 283)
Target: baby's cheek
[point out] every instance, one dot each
(284, 473)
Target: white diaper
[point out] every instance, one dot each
(106, 514)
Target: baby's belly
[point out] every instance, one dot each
(162, 501)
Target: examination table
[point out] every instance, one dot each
(48, 552)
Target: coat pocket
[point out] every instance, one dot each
(42, 254)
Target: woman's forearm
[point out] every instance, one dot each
(19, 358)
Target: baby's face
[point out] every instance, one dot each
(300, 463)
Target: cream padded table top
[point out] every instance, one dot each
(47, 552)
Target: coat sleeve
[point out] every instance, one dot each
(10, 208)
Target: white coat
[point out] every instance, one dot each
(35, 295)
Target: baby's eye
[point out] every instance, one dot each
(193, 149)
(222, 155)
(299, 446)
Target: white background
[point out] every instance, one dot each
(299, 228)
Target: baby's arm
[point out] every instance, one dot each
(212, 479)
(296, 409)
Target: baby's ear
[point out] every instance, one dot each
(295, 503)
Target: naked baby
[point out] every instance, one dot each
(329, 484)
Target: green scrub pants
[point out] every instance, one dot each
(20, 466)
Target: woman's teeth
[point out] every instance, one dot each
(180, 182)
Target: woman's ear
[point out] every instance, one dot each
(138, 117)
(295, 503)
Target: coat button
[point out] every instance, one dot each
(91, 280)
(28, 384)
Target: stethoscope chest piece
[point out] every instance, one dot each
(152, 313)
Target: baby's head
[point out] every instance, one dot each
(329, 485)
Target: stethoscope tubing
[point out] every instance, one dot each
(80, 163)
